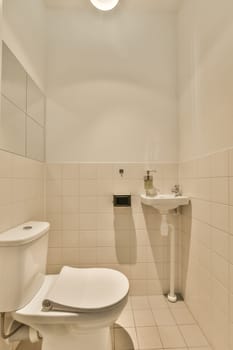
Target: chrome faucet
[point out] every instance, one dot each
(148, 183)
(176, 190)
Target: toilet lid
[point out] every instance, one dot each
(86, 289)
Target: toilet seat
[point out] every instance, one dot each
(33, 310)
(99, 308)
(86, 290)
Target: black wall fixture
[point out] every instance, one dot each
(122, 200)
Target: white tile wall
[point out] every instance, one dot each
(207, 246)
(21, 190)
(86, 230)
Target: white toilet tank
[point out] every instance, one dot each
(23, 256)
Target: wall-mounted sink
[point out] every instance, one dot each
(164, 202)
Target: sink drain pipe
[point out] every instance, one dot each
(165, 229)
(172, 296)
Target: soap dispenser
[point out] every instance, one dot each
(148, 184)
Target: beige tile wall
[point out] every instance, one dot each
(207, 245)
(86, 230)
(21, 196)
(21, 190)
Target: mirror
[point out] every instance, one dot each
(22, 123)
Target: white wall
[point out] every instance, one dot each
(24, 31)
(111, 84)
(22, 28)
(3, 345)
(206, 77)
(206, 129)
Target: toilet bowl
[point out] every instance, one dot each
(72, 310)
(89, 327)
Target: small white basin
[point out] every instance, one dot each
(164, 202)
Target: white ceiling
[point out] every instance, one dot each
(135, 5)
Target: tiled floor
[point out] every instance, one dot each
(152, 323)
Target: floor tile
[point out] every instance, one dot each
(182, 316)
(140, 302)
(171, 337)
(148, 338)
(143, 318)
(128, 305)
(205, 348)
(163, 317)
(152, 323)
(125, 339)
(126, 319)
(157, 301)
(26, 344)
(179, 304)
(193, 336)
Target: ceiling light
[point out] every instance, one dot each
(104, 5)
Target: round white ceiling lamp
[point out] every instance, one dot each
(104, 5)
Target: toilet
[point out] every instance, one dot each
(71, 310)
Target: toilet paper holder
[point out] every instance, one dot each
(122, 200)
